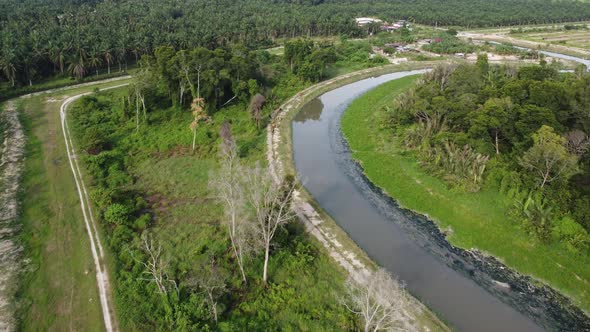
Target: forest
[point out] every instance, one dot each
(522, 131)
(40, 39)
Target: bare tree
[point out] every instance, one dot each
(228, 185)
(210, 280)
(577, 142)
(270, 202)
(156, 265)
(227, 139)
(441, 74)
(256, 108)
(141, 83)
(380, 301)
(184, 81)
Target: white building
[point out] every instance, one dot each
(362, 21)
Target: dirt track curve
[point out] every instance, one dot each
(102, 277)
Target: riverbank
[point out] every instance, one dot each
(469, 220)
(280, 157)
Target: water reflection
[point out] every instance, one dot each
(311, 111)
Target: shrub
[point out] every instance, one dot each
(571, 233)
(117, 214)
(142, 222)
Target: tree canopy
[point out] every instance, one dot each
(40, 38)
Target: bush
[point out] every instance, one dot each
(117, 214)
(572, 234)
(142, 222)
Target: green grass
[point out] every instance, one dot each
(477, 220)
(187, 219)
(173, 179)
(58, 292)
(59, 81)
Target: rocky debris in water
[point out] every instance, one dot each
(11, 162)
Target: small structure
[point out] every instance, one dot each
(362, 21)
(395, 26)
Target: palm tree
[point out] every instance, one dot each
(94, 60)
(8, 65)
(57, 56)
(108, 56)
(77, 65)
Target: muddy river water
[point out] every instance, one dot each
(468, 290)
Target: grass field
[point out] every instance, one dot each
(186, 222)
(574, 38)
(59, 291)
(477, 220)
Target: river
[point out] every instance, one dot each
(468, 290)
(585, 62)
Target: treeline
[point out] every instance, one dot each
(236, 75)
(42, 38)
(522, 131)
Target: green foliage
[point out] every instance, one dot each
(83, 38)
(535, 214)
(462, 166)
(487, 219)
(149, 180)
(117, 214)
(457, 116)
(218, 75)
(449, 44)
(572, 234)
(307, 59)
(548, 158)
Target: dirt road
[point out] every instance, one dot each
(102, 277)
(12, 155)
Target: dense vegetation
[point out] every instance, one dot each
(530, 124)
(151, 190)
(153, 153)
(497, 156)
(42, 38)
(446, 43)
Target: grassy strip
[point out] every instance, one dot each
(58, 291)
(7, 92)
(477, 220)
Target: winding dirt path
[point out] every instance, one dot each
(102, 277)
